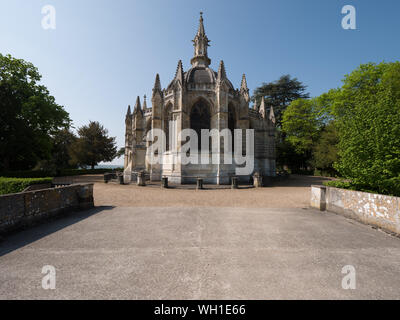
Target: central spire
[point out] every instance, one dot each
(200, 44)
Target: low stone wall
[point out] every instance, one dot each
(23, 209)
(35, 187)
(373, 209)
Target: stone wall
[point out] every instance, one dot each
(23, 209)
(373, 209)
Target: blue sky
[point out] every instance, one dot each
(103, 54)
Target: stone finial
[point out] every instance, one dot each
(144, 103)
(157, 83)
(201, 43)
(243, 85)
(201, 32)
(262, 108)
(272, 115)
(128, 117)
(138, 108)
(255, 104)
(221, 71)
(244, 90)
(179, 71)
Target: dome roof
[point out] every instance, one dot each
(200, 75)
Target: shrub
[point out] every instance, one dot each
(390, 187)
(339, 184)
(15, 185)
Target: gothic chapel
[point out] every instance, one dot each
(199, 98)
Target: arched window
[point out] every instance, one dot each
(200, 118)
(167, 119)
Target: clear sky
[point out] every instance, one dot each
(104, 53)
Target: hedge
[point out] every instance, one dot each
(390, 187)
(15, 185)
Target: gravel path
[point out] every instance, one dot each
(291, 193)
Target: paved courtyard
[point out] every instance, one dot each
(190, 250)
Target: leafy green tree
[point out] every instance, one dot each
(29, 115)
(289, 158)
(325, 152)
(279, 94)
(301, 126)
(367, 112)
(92, 146)
(62, 142)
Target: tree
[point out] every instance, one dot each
(29, 115)
(92, 146)
(62, 142)
(120, 153)
(325, 151)
(367, 113)
(279, 94)
(289, 158)
(301, 126)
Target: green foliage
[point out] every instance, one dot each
(325, 152)
(62, 142)
(287, 157)
(300, 125)
(15, 185)
(393, 186)
(306, 132)
(29, 115)
(279, 94)
(340, 184)
(367, 112)
(353, 131)
(93, 146)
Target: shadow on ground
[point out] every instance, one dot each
(21, 238)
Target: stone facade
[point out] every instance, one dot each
(199, 98)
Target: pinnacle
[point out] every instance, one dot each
(244, 83)
(262, 107)
(157, 83)
(221, 71)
